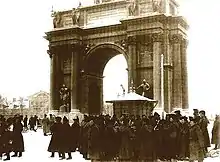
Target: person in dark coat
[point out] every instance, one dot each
(147, 149)
(93, 140)
(32, 123)
(18, 141)
(84, 137)
(75, 134)
(56, 138)
(25, 123)
(6, 139)
(196, 142)
(65, 145)
(216, 132)
(124, 139)
(203, 123)
(183, 139)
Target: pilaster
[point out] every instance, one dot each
(157, 46)
(177, 68)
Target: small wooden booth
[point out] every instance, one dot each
(133, 104)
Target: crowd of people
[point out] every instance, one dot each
(11, 138)
(134, 137)
(106, 138)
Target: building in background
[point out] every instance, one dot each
(39, 102)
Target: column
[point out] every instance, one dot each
(51, 53)
(184, 45)
(74, 74)
(157, 49)
(177, 71)
(132, 60)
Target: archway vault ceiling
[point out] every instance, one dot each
(98, 59)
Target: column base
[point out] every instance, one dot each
(70, 115)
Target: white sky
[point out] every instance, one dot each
(25, 65)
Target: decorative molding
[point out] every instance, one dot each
(176, 38)
(123, 43)
(157, 37)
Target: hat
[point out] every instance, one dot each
(183, 117)
(202, 112)
(196, 110)
(192, 119)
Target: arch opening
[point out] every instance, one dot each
(104, 66)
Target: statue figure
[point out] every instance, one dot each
(144, 86)
(132, 8)
(97, 1)
(65, 97)
(123, 89)
(157, 5)
(75, 16)
(56, 19)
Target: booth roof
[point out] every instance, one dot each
(132, 96)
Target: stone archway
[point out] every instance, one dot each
(94, 64)
(79, 52)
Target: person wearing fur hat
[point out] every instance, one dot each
(196, 142)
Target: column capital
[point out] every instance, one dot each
(51, 51)
(131, 40)
(157, 37)
(175, 38)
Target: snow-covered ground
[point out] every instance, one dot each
(36, 150)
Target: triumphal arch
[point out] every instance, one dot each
(85, 38)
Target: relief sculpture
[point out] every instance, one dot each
(57, 19)
(132, 8)
(157, 5)
(75, 16)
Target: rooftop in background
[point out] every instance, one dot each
(111, 12)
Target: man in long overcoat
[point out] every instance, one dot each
(203, 123)
(196, 142)
(183, 139)
(216, 132)
(18, 141)
(56, 138)
(46, 125)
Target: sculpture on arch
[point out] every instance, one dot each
(75, 16)
(97, 1)
(157, 5)
(132, 8)
(57, 19)
(144, 86)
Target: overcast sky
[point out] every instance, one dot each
(25, 65)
